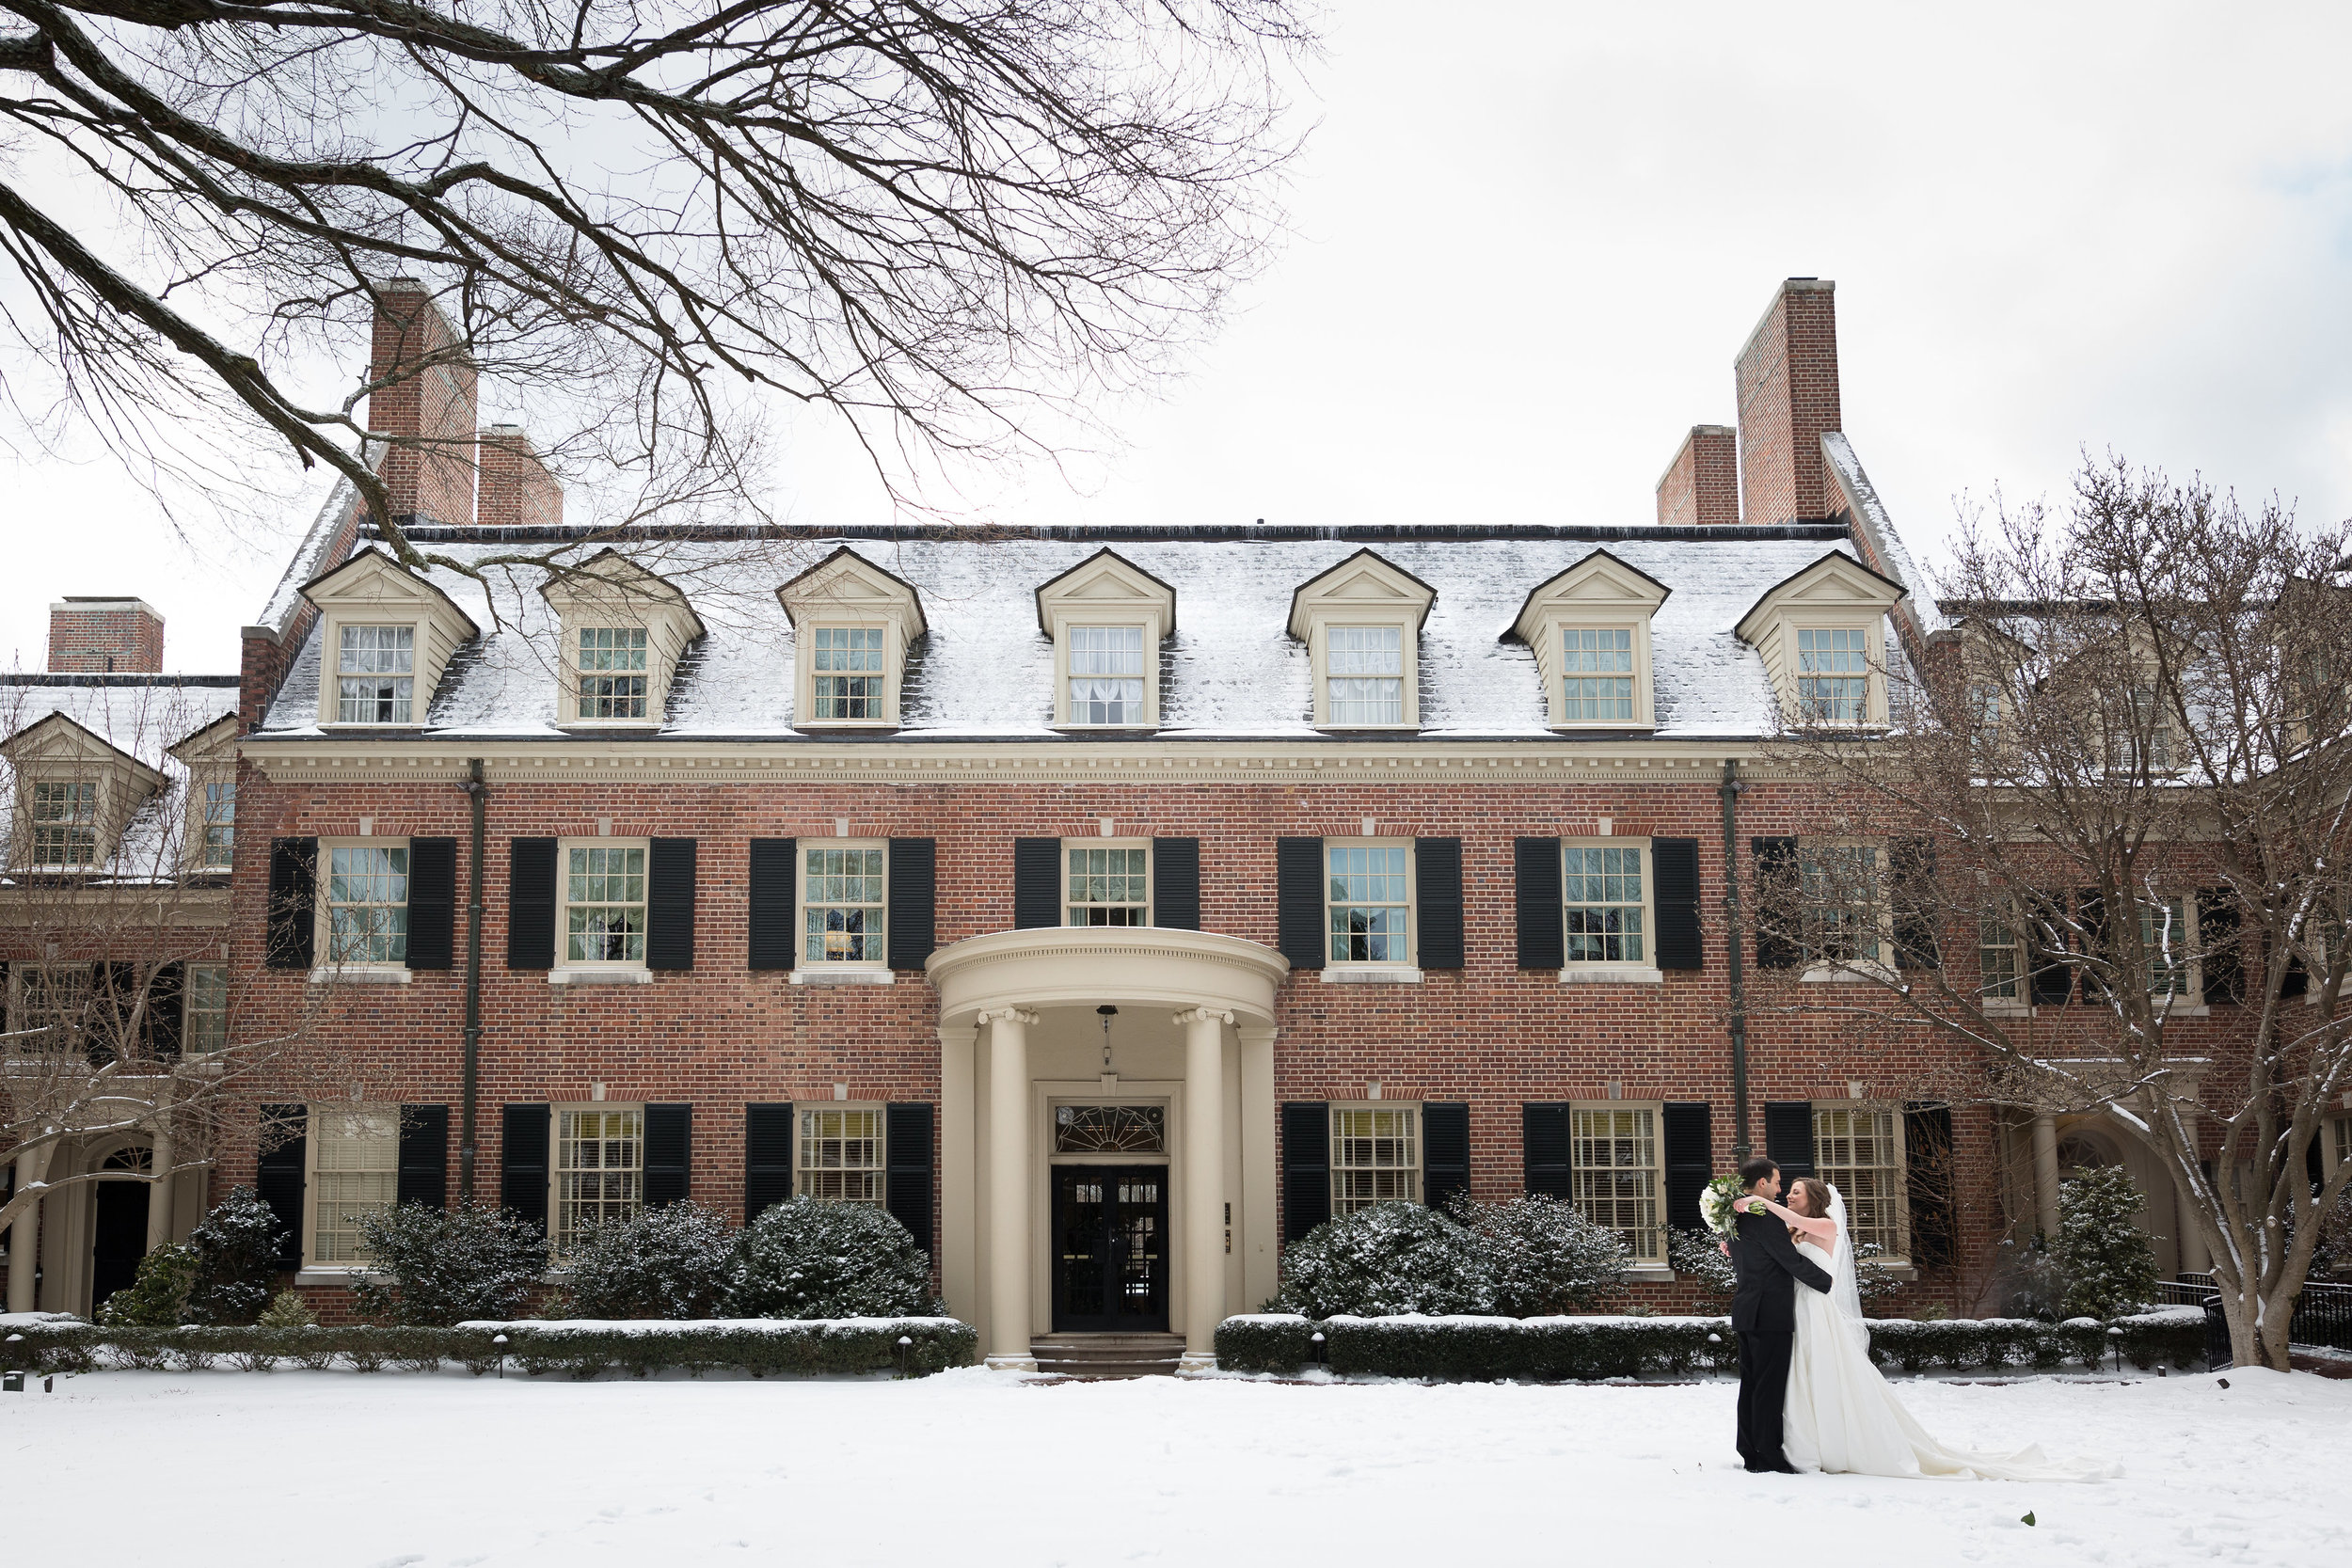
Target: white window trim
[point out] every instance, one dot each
(804, 673)
(555, 1173)
(328, 971)
(1151, 877)
(1575, 972)
(1658, 1268)
(1323, 619)
(187, 1012)
(807, 971)
(1420, 1167)
(311, 1143)
(1409, 966)
(1869, 971)
(330, 667)
(570, 970)
(101, 825)
(1901, 1168)
(1070, 616)
(1872, 626)
(20, 972)
(1556, 683)
(200, 780)
(658, 662)
(882, 1144)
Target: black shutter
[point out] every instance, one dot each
(1536, 866)
(1687, 1130)
(2090, 915)
(432, 902)
(766, 1158)
(294, 896)
(1778, 914)
(423, 1156)
(1306, 1163)
(1437, 903)
(2218, 926)
(1544, 1147)
(1176, 883)
(523, 1164)
(1911, 876)
(530, 908)
(1298, 904)
(1674, 871)
(1927, 1153)
(2049, 978)
(914, 901)
(1789, 1136)
(670, 903)
(669, 1153)
(278, 1180)
(1444, 1152)
(907, 1156)
(1036, 884)
(773, 867)
(167, 1009)
(2295, 980)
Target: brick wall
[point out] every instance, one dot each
(1787, 378)
(424, 400)
(90, 636)
(1701, 486)
(516, 490)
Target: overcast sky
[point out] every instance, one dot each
(1529, 238)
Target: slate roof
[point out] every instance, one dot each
(1230, 669)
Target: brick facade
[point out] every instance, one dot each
(97, 636)
(1787, 378)
(1701, 486)
(422, 398)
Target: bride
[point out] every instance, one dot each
(1841, 1415)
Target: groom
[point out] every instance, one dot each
(1764, 1315)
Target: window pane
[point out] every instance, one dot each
(1832, 676)
(1597, 679)
(204, 1013)
(606, 690)
(374, 675)
(1839, 889)
(842, 906)
(1375, 1158)
(65, 817)
(1860, 1152)
(1107, 675)
(841, 1156)
(1107, 887)
(220, 825)
(848, 665)
(1602, 889)
(604, 906)
(367, 904)
(1364, 667)
(356, 1165)
(1370, 916)
(1996, 959)
(2164, 938)
(599, 1170)
(1614, 1175)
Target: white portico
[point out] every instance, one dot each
(1157, 1167)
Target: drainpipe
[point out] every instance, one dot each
(1731, 791)
(477, 793)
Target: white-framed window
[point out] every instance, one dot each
(1106, 676)
(599, 1170)
(376, 674)
(1833, 674)
(612, 672)
(1617, 1175)
(2151, 727)
(2166, 938)
(354, 1171)
(1375, 1156)
(1844, 914)
(1368, 902)
(2000, 962)
(366, 904)
(847, 666)
(204, 1009)
(1859, 1149)
(1596, 675)
(217, 824)
(2339, 1139)
(1106, 884)
(604, 902)
(1984, 715)
(52, 996)
(840, 1154)
(844, 903)
(1605, 903)
(65, 821)
(1364, 667)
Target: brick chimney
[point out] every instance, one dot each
(1788, 383)
(516, 489)
(1701, 486)
(104, 634)
(428, 409)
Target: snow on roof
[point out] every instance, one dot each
(1230, 669)
(141, 715)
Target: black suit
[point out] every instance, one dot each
(1767, 1265)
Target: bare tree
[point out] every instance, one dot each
(959, 226)
(2106, 847)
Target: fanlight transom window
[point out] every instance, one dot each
(1110, 1130)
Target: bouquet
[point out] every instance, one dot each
(1715, 1205)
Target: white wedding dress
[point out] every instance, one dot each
(1843, 1417)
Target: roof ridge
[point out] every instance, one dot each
(1142, 532)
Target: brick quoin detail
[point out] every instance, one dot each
(1701, 486)
(101, 636)
(1787, 378)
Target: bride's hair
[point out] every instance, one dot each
(1816, 1196)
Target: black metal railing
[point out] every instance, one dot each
(2322, 1320)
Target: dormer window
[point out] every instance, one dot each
(1362, 622)
(1589, 630)
(613, 673)
(75, 793)
(1365, 676)
(623, 631)
(852, 623)
(850, 685)
(1832, 676)
(1106, 617)
(1597, 675)
(376, 674)
(1822, 634)
(385, 636)
(65, 821)
(210, 755)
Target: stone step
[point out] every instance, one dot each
(1108, 1355)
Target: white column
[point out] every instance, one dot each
(23, 1259)
(958, 1219)
(1009, 1319)
(2045, 1175)
(1204, 1181)
(162, 1191)
(1260, 1260)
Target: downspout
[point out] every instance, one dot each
(1731, 791)
(477, 793)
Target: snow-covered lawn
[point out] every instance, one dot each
(335, 1468)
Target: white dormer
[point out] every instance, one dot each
(1362, 624)
(1106, 617)
(1589, 628)
(852, 626)
(210, 755)
(622, 631)
(75, 793)
(1823, 634)
(386, 635)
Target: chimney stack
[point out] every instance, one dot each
(516, 489)
(104, 634)
(1701, 486)
(428, 407)
(1788, 385)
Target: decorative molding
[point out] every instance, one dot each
(1007, 1015)
(1202, 1015)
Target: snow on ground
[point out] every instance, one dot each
(979, 1468)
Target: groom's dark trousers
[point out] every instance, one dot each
(1767, 1265)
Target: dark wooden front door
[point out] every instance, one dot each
(121, 1239)
(1110, 1249)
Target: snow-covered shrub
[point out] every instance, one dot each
(1388, 1257)
(2110, 1267)
(814, 1259)
(1544, 1256)
(1696, 1261)
(287, 1310)
(1876, 1286)
(2033, 1281)
(678, 1260)
(157, 1296)
(435, 1266)
(236, 1248)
